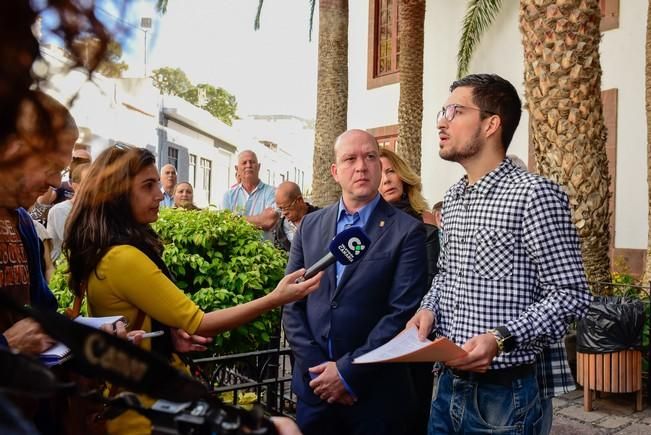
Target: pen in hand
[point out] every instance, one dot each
(149, 335)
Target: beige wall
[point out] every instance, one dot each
(500, 51)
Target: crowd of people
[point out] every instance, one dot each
(495, 267)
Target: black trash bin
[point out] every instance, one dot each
(608, 344)
(612, 324)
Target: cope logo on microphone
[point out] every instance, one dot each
(356, 245)
(353, 248)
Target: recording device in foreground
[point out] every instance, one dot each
(99, 355)
(22, 375)
(347, 247)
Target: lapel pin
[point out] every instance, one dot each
(381, 224)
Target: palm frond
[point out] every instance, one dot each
(312, 5)
(479, 16)
(256, 24)
(161, 5)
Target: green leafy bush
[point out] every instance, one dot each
(219, 260)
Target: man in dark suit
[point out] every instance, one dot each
(357, 307)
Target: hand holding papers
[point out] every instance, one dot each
(60, 352)
(406, 347)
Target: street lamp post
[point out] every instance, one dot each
(145, 25)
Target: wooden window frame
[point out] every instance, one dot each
(386, 133)
(372, 79)
(609, 15)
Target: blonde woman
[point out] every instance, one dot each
(401, 187)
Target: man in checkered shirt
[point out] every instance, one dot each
(511, 275)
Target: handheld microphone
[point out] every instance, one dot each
(347, 247)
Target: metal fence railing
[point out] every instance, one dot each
(267, 373)
(262, 376)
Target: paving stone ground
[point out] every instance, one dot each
(611, 414)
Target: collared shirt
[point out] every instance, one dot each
(168, 200)
(346, 220)
(510, 257)
(289, 228)
(553, 371)
(357, 219)
(284, 230)
(56, 222)
(239, 201)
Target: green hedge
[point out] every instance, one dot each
(219, 260)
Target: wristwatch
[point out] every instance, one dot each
(505, 341)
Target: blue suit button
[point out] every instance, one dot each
(333, 305)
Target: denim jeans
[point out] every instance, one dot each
(548, 416)
(463, 406)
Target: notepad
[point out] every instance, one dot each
(59, 353)
(407, 347)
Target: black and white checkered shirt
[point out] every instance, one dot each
(510, 257)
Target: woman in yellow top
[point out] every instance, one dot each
(115, 255)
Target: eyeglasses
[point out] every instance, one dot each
(291, 204)
(448, 112)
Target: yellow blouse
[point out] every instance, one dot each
(127, 281)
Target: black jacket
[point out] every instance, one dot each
(432, 243)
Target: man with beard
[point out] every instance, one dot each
(511, 276)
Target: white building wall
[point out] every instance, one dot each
(202, 147)
(622, 60)
(291, 160)
(366, 108)
(500, 52)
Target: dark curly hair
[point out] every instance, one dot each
(101, 215)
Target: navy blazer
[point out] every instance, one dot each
(375, 298)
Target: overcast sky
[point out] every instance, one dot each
(270, 71)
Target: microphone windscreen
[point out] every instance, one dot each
(350, 245)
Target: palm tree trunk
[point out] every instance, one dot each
(411, 25)
(647, 274)
(563, 96)
(332, 96)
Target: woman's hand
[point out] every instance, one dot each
(184, 342)
(119, 329)
(288, 290)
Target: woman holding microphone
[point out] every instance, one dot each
(115, 260)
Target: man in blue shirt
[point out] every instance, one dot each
(168, 183)
(357, 307)
(252, 198)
